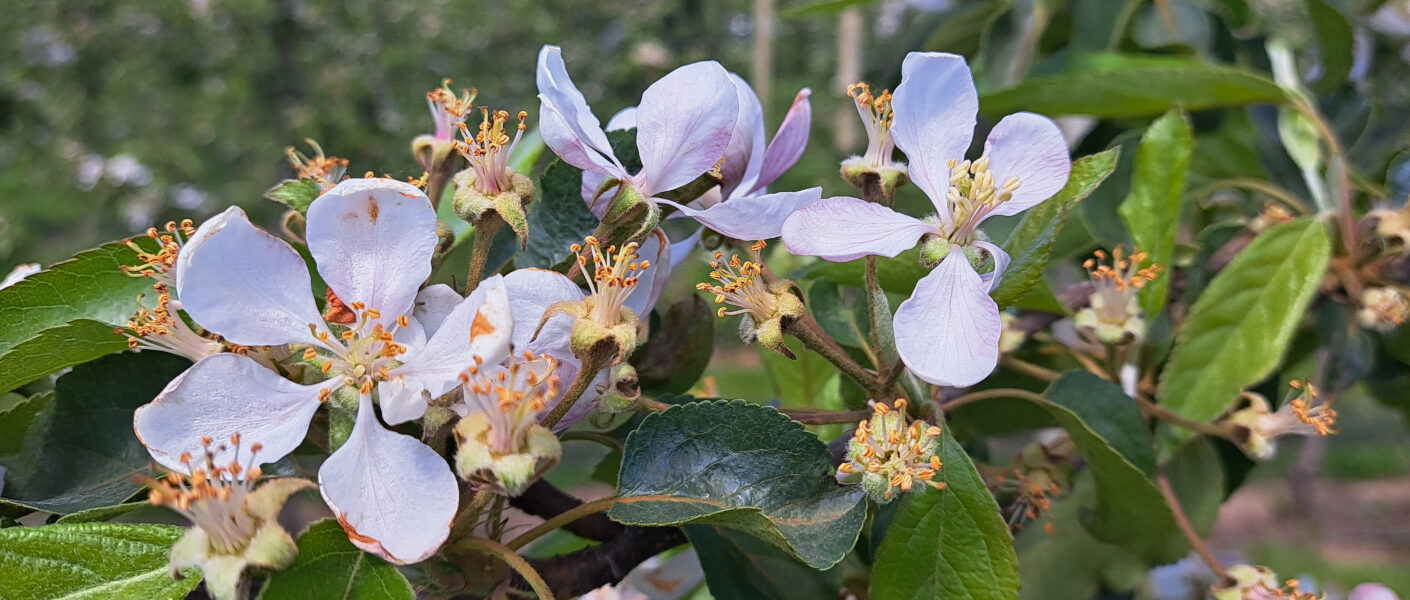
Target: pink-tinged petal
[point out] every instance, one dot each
(683, 248)
(788, 143)
(1001, 264)
(624, 119)
(591, 181)
(394, 496)
(657, 249)
(245, 284)
(745, 152)
(842, 229)
(372, 240)
(531, 292)
(480, 327)
(934, 112)
(1371, 591)
(947, 332)
(433, 303)
(225, 394)
(1031, 148)
(566, 123)
(752, 217)
(683, 125)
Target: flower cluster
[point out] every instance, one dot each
(886, 455)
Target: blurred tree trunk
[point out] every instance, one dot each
(762, 67)
(849, 71)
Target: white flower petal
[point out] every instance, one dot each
(934, 112)
(372, 240)
(394, 496)
(245, 284)
(566, 123)
(433, 304)
(788, 143)
(1031, 148)
(531, 292)
(842, 229)
(480, 326)
(752, 217)
(1001, 264)
(225, 394)
(745, 153)
(947, 332)
(657, 249)
(683, 125)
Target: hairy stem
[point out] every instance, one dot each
(561, 520)
(480, 250)
(808, 331)
(543, 500)
(586, 375)
(814, 416)
(516, 562)
(994, 393)
(1028, 368)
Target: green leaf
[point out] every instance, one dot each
(1334, 44)
(679, 348)
(17, 413)
(1239, 328)
(81, 453)
(896, 275)
(742, 466)
(738, 565)
(1032, 240)
(804, 382)
(102, 513)
(58, 347)
(841, 311)
(91, 560)
(1117, 85)
(297, 194)
(558, 219)
(91, 285)
(329, 566)
(947, 544)
(1152, 208)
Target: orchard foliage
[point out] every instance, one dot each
(1151, 242)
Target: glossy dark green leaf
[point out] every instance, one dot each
(330, 567)
(841, 311)
(1118, 85)
(58, 347)
(1032, 240)
(558, 219)
(102, 513)
(679, 348)
(91, 561)
(297, 194)
(1153, 205)
(739, 565)
(742, 466)
(91, 285)
(80, 453)
(947, 544)
(1241, 325)
(17, 414)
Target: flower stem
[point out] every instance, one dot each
(1160, 412)
(515, 562)
(436, 182)
(1029, 369)
(994, 393)
(480, 250)
(562, 519)
(807, 330)
(883, 337)
(808, 416)
(1183, 522)
(586, 374)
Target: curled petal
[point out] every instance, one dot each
(683, 125)
(934, 110)
(947, 332)
(842, 229)
(745, 152)
(394, 496)
(788, 143)
(624, 119)
(433, 303)
(245, 284)
(752, 217)
(566, 122)
(657, 249)
(225, 394)
(1031, 148)
(1001, 264)
(531, 292)
(479, 327)
(372, 240)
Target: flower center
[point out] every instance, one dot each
(212, 496)
(1117, 283)
(489, 149)
(739, 285)
(972, 196)
(512, 397)
(327, 171)
(1314, 416)
(448, 110)
(161, 328)
(362, 353)
(876, 117)
(614, 276)
(896, 453)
